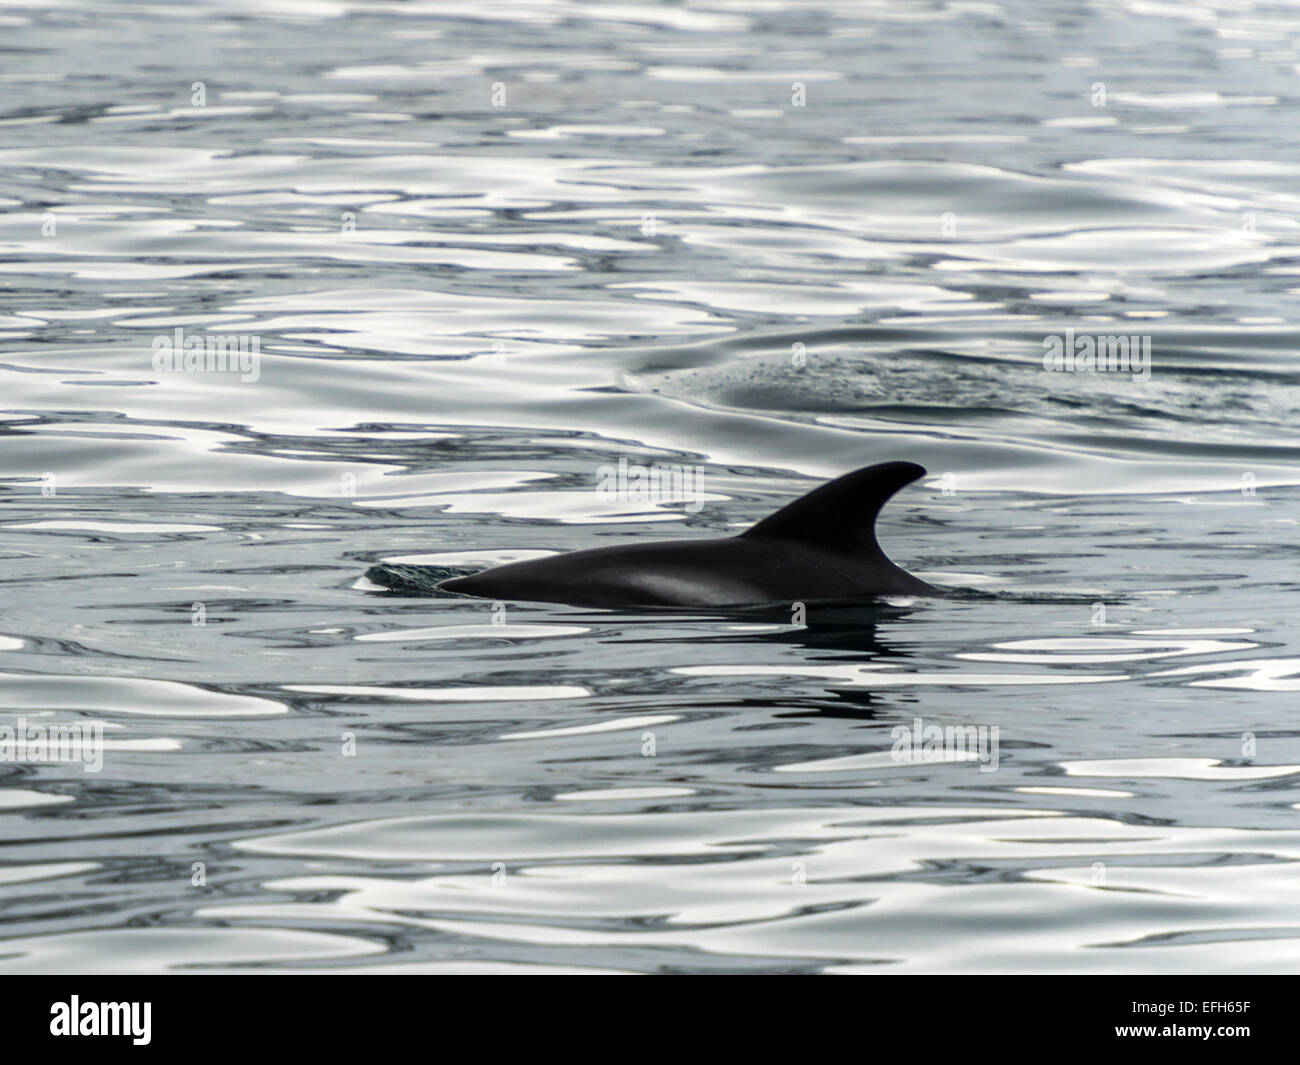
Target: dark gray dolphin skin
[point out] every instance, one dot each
(820, 547)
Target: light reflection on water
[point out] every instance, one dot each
(465, 310)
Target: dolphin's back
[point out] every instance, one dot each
(681, 573)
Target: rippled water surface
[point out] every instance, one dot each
(487, 250)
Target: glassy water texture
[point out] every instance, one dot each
(485, 250)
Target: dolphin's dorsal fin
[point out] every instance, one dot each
(840, 516)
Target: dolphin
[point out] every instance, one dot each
(821, 547)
